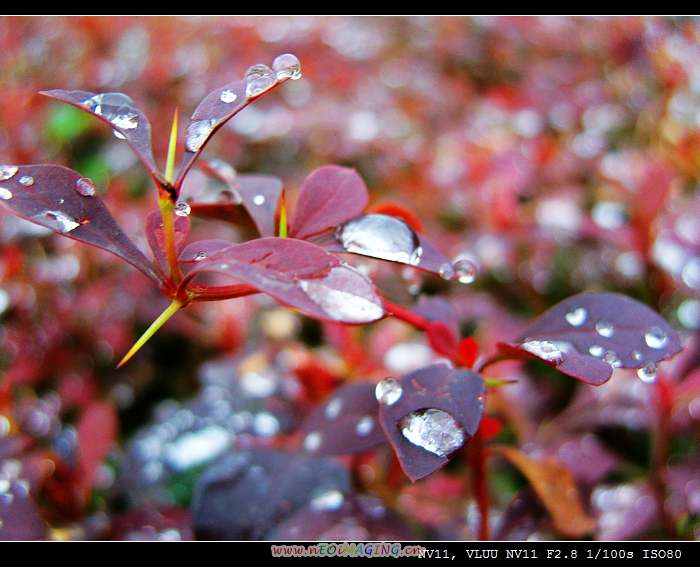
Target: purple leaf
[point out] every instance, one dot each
(260, 195)
(589, 334)
(329, 196)
(55, 197)
(301, 275)
(346, 423)
(429, 414)
(246, 494)
(201, 249)
(156, 237)
(121, 114)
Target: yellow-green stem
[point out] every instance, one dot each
(283, 218)
(173, 308)
(166, 205)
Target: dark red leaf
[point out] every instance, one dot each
(246, 494)
(261, 195)
(201, 249)
(156, 237)
(121, 114)
(346, 423)
(442, 339)
(439, 409)
(96, 432)
(329, 196)
(301, 275)
(467, 352)
(589, 334)
(52, 200)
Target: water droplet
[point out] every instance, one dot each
(265, 424)
(388, 391)
(224, 170)
(577, 316)
(338, 304)
(647, 373)
(604, 329)
(312, 441)
(183, 209)
(465, 271)
(199, 256)
(228, 96)
(259, 78)
(655, 338)
(546, 350)
(333, 408)
(637, 356)
(446, 271)
(364, 426)
(5, 194)
(434, 430)
(259, 200)
(85, 187)
(612, 359)
(380, 236)
(691, 273)
(287, 66)
(8, 172)
(26, 180)
(57, 220)
(118, 108)
(327, 501)
(118, 135)
(197, 133)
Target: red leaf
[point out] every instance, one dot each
(442, 339)
(467, 352)
(329, 196)
(97, 432)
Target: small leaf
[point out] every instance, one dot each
(120, 113)
(301, 275)
(556, 489)
(156, 236)
(589, 334)
(329, 196)
(50, 195)
(346, 423)
(438, 409)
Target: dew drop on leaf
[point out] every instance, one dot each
(183, 209)
(365, 426)
(655, 338)
(604, 329)
(612, 359)
(465, 271)
(26, 180)
(546, 350)
(5, 194)
(259, 200)
(85, 187)
(118, 108)
(434, 430)
(287, 66)
(381, 236)
(312, 441)
(57, 220)
(197, 133)
(596, 350)
(199, 256)
(259, 78)
(8, 172)
(388, 391)
(647, 373)
(228, 96)
(577, 316)
(637, 356)
(333, 408)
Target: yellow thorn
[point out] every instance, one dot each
(172, 150)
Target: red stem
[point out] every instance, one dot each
(406, 315)
(479, 484)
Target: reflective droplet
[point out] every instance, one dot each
(577, 316)
(604, 329)
(118, 135)
(26, 180)
(612, 359)
(57, 220)
(259, 200)
(85, 187)
(691, 273)
(5, 194)
(183, 209)
(287, 66)
(647, 373)
(364, 426)
(388, 391)
(259, 78)
(118, 108)
(327, 501)
(546, 350)
(380, 236)
(446, 271)
(199, 256)
(8, 172)
(228, 96)
(465, 271)
(333, 408)
(637, 356)
(312, 441)
(434, 430)
(655, 338)
(197, 133)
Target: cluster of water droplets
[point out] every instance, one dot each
(434, 430)
(462, 270)
(118, 108)
(7, 172)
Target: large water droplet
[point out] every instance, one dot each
(287, 66)
(365, 426)
(57, 220)
(388, 391)
(85, 187)
(197, 133)
(327, 501)
(434, 430)
(381, 236)
(118, 108)
(605, 329)
(338, 304)
(5, 194)
(577, 316)
(8, 172)
(183, 209)
(259, 200)
(259, 78)
(655, 338)
(228, 96)
(596, 350)
(647, 373)
(465, 271)
(333, 408)
(26, 180)
(546, 350)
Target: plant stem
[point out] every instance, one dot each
(283, 218)
(406, 315)
(167, 211)
(173, 308)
